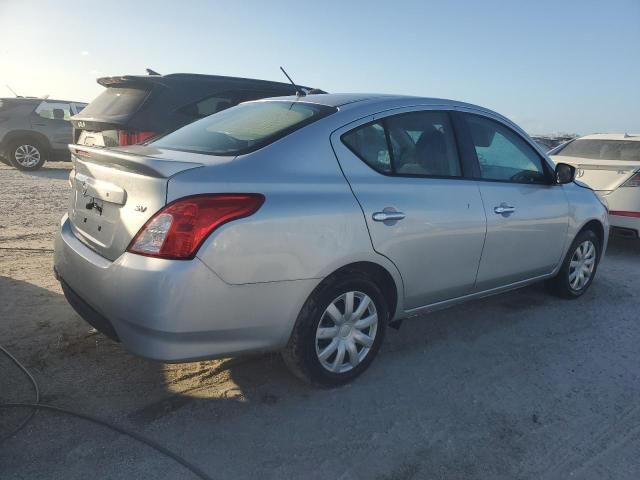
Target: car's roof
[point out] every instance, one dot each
(342, 99)
(380, 102)
(612, 136)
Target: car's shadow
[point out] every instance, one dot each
(621, 247)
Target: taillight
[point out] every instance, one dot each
(177, 230)
(127, 137)
(634, 181)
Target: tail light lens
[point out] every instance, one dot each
(177, 230)
(127, 137)
(633, 181)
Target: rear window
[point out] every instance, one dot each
(243, 128)
(603, 149)
(116, 101)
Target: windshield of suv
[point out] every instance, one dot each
(603, 149)
(243, 128)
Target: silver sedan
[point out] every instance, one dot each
(310, 224)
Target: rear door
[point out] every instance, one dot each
(421, 212)
(527, 214)
(52, 120)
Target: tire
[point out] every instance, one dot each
(564, 283)
(303, 353)
(26, 154)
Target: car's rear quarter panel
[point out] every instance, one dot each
(309, 226)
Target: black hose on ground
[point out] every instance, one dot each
(39, 406)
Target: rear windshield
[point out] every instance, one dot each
(116, 101)
(603, 149)
(243, 128)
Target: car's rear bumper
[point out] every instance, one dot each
(172, 310)
(624, 209)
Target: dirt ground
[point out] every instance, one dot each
(521, 385)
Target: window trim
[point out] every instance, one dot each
(471, 150)
(383, 121)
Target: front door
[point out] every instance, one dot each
(421, 212)
(527, 213)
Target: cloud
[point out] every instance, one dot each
(84, 53)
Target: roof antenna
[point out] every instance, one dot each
(299, 92)
(151, 72)
(14, 92)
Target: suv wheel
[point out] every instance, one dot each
(338, 332)
(579, 267)
(26, 154)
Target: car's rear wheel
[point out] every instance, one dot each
(579, 267)
(339, 331)
(26, 154)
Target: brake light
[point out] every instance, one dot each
(177, 230)
(128, 137)
(634, 181)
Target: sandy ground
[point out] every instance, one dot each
(517, 386)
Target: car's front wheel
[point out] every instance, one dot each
(26, 154)
(339, 331)
(579, 267)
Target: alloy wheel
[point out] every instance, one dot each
(346, 332)
(27, 156)
(582, 264)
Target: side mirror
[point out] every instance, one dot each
(565, 173)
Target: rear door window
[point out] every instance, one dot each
(54, 111)
(210, 105)
(409, 144)
(369, 142)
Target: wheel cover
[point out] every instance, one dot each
(27, 156)
(346, 332)
(582, 264)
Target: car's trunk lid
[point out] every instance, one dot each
(116, 192)
(601, 175)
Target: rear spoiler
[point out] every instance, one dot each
(131, 80)
(130, 162)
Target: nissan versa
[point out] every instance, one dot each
(309, 224)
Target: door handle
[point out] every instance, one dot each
(387, 215)
(504, 209)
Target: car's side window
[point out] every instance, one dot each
(408, 144)
(209, 105)
(504, 155)
(54, 111)
(369, 142)
(423, 144)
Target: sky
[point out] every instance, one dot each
(551, 66)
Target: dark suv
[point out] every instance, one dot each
(33, 130)
(135, 108)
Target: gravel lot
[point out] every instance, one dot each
(521, 385)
